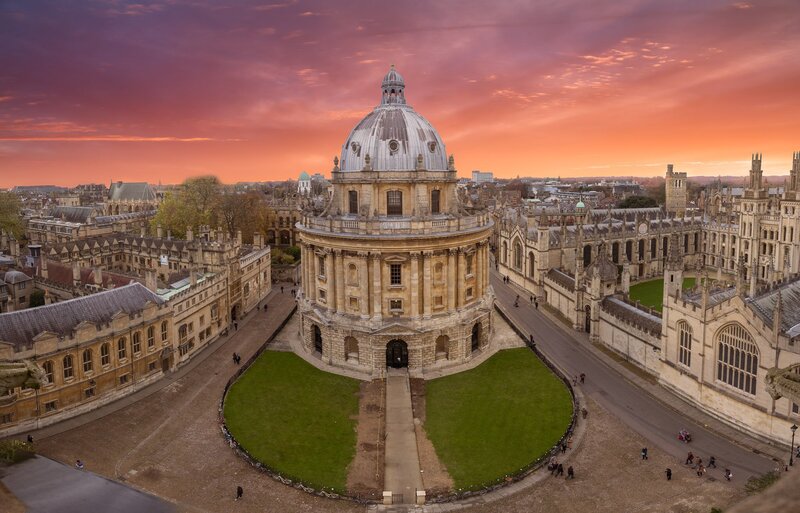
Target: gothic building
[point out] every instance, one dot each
(395, 268)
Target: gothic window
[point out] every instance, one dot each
(504, 253)
(685, 343)
(737, 358)
(394, 203)
(615, 252)
(531, 264)
(435, 207)
(664, 246)
(517, 255)
(587, 255)
(48, 371)
(68, 373)
(641, 250)
(122, 348)
(88, 364)
(352, 198)
(395, 274)
(105, 357)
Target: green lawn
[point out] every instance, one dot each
(493, 420)
(651, 293)
(296, 419)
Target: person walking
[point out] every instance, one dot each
(530, 338)
(689, 458)
(265, 307)
(531, 299)
(281, 289)
(570, 472)
(30, 439)
(728, 474)
(560, 470)
(239, 492)
(699, 462)
(536, 303)
(236, 325)
(700, 470)
(668, 472)
(234, 357)
(583, 378)
(712, 462)
(563, 447)
(644, 453)
(584, 412)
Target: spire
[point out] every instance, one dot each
(674, 260)
(393, 88)
(755, 172)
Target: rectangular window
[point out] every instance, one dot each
(438, 302)
(122, 349)
(321, 262)
(394, 203)
(124, 379)
(50, 406)
(322, 295)
(151, 337)
(164, 331)
(469, 293)
(469, 265)
(151, 366)
(89, 392)
(87, 360)
(104, 356)
(435, 208)
(352, 199)
(396, 305)
(395, 274)
(6, 418)
(137, 343)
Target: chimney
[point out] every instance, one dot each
(239, 237)
(150, 280)
(258, 240)
(98, 276)
(169, 234)
(193, 276)
(160, 232)
(13, 247)
(189, 234)
(43, 269)
(76, 274)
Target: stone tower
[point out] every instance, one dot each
(675, 185)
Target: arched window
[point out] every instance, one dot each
(587, 255)
(737, 358)
(68, 373)
(122, 348)
(352, 275)
(504, 253)
(394, 203)
(442, 343)
(517, 255)
(88, 363)
(531, 264)
(48, 371)
(105, 357)
(137, 341)
(435, 203)
(684, 343)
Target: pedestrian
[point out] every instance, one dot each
(570, 472)
(552, 464)
(516, 303)
(712, 462)
(689, 458)
(644, 453)
(575, 380)
(234, 357)
(530, 338)
(536, 303)
(583, 378)
(265, 307)
(281, 289)
(584, 412)
(531, 299)
(728, 474)
(236, 325)
(560, 470)
(239, 492)
(569, 442)
(30, 439)
(699, 462)
(668, 472)
(700, 470)
(79, 464)
(563, 447)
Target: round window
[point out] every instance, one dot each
(394, 146)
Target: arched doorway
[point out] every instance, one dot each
(396, 354)
(317, 339)
(587, 322)
(476, 337)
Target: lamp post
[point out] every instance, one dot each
(791, 454)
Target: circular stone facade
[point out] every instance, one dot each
(395, 268)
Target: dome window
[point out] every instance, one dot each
(394, 146)
(432, 146)
(356, 147)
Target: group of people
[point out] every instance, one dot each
(557, 469)
(237, 358)
(698, 466)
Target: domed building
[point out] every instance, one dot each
(395, 269)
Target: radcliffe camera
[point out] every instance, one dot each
(359, 257)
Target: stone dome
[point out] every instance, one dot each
(394, 136)
(304, 176)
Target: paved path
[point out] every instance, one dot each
(46, 486)
(402, 459)
(635, 407)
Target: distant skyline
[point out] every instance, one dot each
(155, 91)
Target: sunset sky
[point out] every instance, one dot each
(92, 91)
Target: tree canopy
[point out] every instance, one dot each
(637, 202)
(10, 214)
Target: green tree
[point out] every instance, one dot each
(10, 214)
(247, 212)
(637, 202)
(193, 205)
(37, 298)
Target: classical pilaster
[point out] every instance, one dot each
(330, 281)
(451, 279)
(363, 284)
(312, 273)
(477, 271)
(377, 293)
(339, 280)
(414, 284)
(426, 283)
(461, 278)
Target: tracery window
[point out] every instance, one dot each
(517, 255)
(737, 358)
(684, 343)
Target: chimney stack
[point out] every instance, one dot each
(160, 232)
(150, 280)
(239, 237)
(189, 234)
(43, 269)
(193, 276)
(98, 277)
(76, 274)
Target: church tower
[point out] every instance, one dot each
(675, 185)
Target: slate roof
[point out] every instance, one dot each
(21, 327)
(62, 274)
(764, 306)
(71, 214)
(126, 191)
(632, 315)
(562, 278)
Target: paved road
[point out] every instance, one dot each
(401, 471)
(635, 407)
(47, 486)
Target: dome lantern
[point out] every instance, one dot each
(393, 88)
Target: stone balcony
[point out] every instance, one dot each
(385, 226)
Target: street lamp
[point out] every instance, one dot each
(791, 454)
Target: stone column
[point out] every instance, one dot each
(363, 284)
(477, 271)
(313, 272)
(339, 278)
(415, 284)
(460, 279)
(330, 281)
(377, 295)
(451, 279)
(427, 296)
